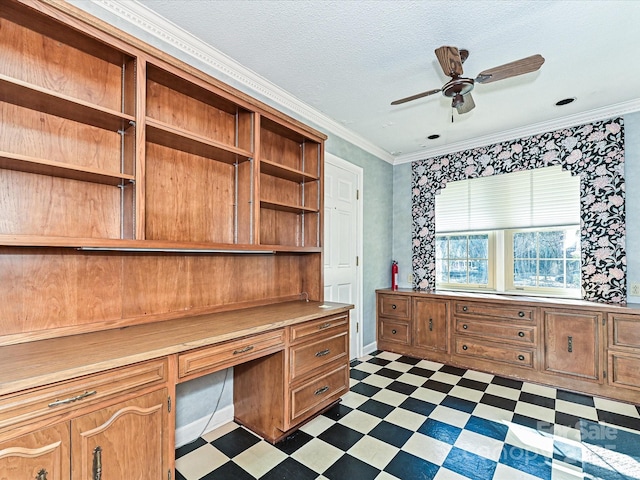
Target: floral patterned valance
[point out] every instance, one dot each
(594, 151)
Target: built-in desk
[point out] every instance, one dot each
(291, 359)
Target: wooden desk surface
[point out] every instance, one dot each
(43, 362)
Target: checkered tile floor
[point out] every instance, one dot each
(412, 419)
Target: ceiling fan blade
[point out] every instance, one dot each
(450, 61)
(512, 69)
(468, 104)
(415, 97)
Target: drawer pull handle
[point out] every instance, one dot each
(570, 344)
(324, 325)
(322, 390)
(322, 353)
(42, 475)
(394, 331)
(72, 399)
(521, 314)
(243, 350)
(465, 326)
(431, 325)
(465, 308)
(97, 463)
(464, 347)
(521, 357)
(521, 334)
(393, 307)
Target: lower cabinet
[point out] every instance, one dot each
(113, 424)
(40, 455)
(125, 440)
(572, 344)
(577, 346)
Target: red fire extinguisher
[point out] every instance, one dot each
(394, 275)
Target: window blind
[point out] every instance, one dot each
(543, 197)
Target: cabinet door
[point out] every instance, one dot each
(572, 343)
(430, 324)
(126, 440)
(40, 455)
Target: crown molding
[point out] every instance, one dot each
(138, 15)
(594, 115)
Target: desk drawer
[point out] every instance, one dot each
(80, 392)
(319, 392)
(497, 330)
(494, 310)
(326, 325)
(515, 356)
(309, 356)
(394, 331)
(397, 306)
(222, 355)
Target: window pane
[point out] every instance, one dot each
(572, 244)
(441, 247)
(479, 272)
(442, 271)
(479, 246)
(524, 245)
(573, 274)
(551, 273)
(458, 246)
(524, 273)
(551, 244)
(458, 272)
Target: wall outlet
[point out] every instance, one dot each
(635, 289)
(410, 279)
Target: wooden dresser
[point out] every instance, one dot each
(156, 225)
(570, 344)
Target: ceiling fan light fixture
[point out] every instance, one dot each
(565, 101)
(458, 101)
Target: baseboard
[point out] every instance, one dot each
(190, 432)
(372, 347)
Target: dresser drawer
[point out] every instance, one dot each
(327, 325)
(497, 330)
(494, 310)
(624, 331)
(396, 306)
(223, 355)
(498, 353)
(309, 356)
(80, 392)
(394, 331)
(624, 370)
(318, 392)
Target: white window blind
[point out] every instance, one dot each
(543, 197)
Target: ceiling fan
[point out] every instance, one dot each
(459, 88)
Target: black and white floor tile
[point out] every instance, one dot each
(410, 419)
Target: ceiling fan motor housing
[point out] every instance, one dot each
(457, 86)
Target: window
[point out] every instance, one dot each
(545, 259)
(464, 260)
(516, 233)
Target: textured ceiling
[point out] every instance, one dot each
(350, 59)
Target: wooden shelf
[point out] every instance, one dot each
(284, 207)
(23, 163)
(163, 134)
(41, 99)
(142, 246)
(276, 170)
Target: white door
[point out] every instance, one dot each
(343, 240)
